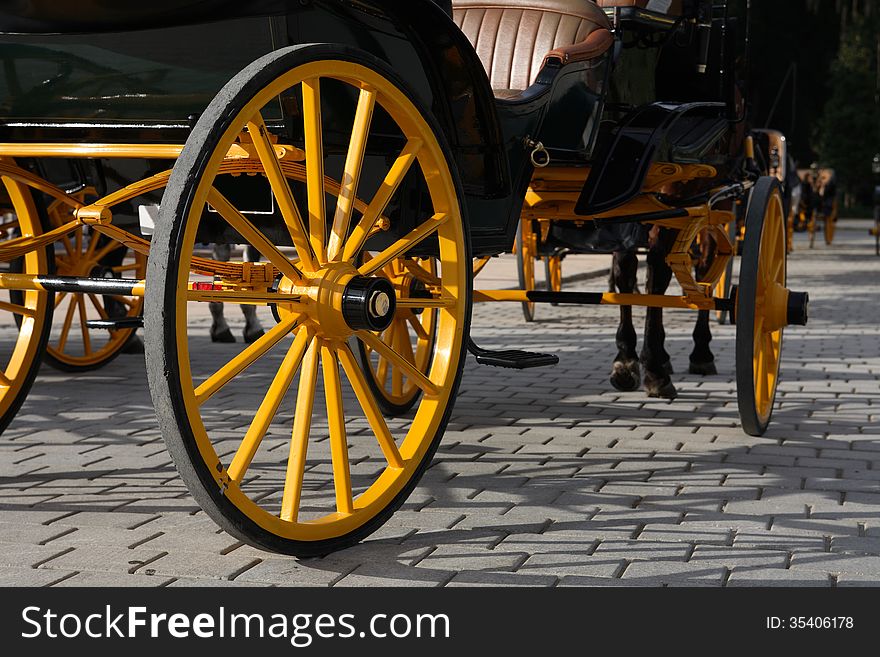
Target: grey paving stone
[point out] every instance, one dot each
(111, 580)
(673, 573)
(776, 577)
(17, 576)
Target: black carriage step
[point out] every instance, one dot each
(515, 359)
(116, 324)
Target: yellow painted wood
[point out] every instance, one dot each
(405, 365)
(370, 407)
(252, 353)
(352, 173)
(314, 134)
(281, 189)
(377, 206)
(336, 422)
(269, 406)
(299, 442)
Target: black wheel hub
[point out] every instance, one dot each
(369, 303)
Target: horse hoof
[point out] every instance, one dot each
(626, 376)
(253, 335)
(659, 388)
(222, 336)
(703, 369)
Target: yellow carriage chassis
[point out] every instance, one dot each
(551, 197)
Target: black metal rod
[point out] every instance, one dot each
(120, 286)
(579, 298)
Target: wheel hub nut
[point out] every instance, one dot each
(369, 303)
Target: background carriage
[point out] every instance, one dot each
(369, 169)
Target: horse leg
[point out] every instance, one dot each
(625, 373)
(655, 359)
(702, 360)
(253, 328)
(219, 328)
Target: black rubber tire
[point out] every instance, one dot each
(746, 293)
(43, 338)
(160, 313)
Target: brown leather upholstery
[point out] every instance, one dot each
(670, 7)
(513, 37)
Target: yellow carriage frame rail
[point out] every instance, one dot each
(553, 195)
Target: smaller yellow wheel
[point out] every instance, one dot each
(761, 307)
(526, 252)
(73, 346)
(413, 333)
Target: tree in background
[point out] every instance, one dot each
(848, 132)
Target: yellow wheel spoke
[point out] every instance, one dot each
(98, 306)
(386, 191)
(314, 144)
(5, 381)
(404, 244)
(252, 234)
(126, 267)
(269, 407)
(413, 321)
(338, 440)
(105, 250)
(18, 310)
(352, 174)
(59, 298)
(421, 273)
(299, 442)
(245, 359)
(370, 407)
(434, 302)
(400, 362)
(87, 341)
(281, 189)
(68, 320)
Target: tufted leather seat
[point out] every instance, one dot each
(514, 37)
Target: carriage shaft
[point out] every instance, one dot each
(73, 284)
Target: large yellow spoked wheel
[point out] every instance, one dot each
(526, 252)
(73, 346)
(761, 307)
(285, 444)
(412, 334)
(25, 316)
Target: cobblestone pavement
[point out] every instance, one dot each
(545, 478)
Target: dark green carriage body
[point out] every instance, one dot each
(77, 72)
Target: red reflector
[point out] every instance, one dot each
(207, 287)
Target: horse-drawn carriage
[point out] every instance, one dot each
(369, 168)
